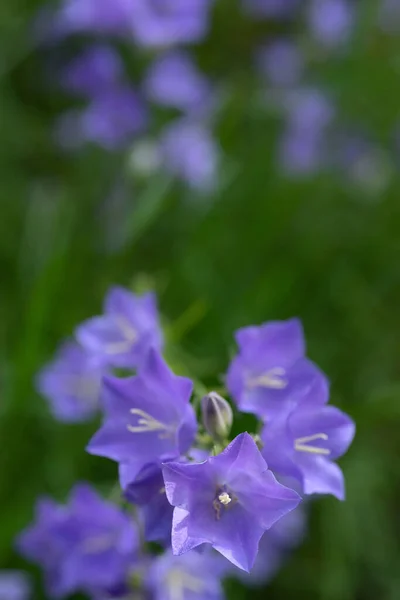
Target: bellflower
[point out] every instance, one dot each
(281, 63)
(93, 72)
(190, 153)
(147, 491)
(270, 369)
(162, 23)
(126, 331)
(192, 576)
(331, 21)
(227, 501)
(173, 80)
(304, 441)
(148, 418)
(113, 117)
(95, 16)
(14, 585)
(71, 384)
(87, 544)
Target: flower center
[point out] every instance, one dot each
(223, 501)
(225, 498)
(273, 379)
(178, 582)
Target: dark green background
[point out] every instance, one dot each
(263, 247)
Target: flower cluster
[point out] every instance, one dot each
(216, 505)
(166, 119)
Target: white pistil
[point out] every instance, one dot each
(225, 498)
(301, 444)
(179, 582)
(147, 424)
(274, 379)
(129, 334)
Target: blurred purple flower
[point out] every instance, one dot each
(148, 417)
(85, 545)
(147, 491)
(271, 8)
(113, 118)
(129, 327)
(173, 80)
(190, 153)
(227, 501)
(193, 576)
(302, 152)
(303, 443)
(309, 113)
(95, 16)
(270, 370)
(71, 384)
(163, 23)
(281, 62)
(14, 585)
(331, 21)
(93, 72)
(309, 109)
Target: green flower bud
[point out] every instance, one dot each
(216, 415)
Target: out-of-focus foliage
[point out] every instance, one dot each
(263, 247)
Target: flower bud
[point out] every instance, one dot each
(217, 416)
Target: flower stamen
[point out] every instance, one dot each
(147, 424)
(274, 379)
(129, 334)
(301, 444)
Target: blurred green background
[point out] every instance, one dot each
(264, 247)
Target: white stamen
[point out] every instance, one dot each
(301, 444)
(147, 424)
(129, 334)
(274, 379)
(179, 582)
(225, 498)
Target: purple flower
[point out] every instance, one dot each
(227, 501)
(97, 16)
(113, 118)
(192, 576)
(303, 443)
(309, 110)
(173, 80)
(85, 545)
(161, 23)
(148, 417)
(14, 585)
(129, 327)
(281, 62)
(280, 9)
(147, 491)
(190, 153)
(302, 152)
(271, 370)
(331, 21)
(93, 72)
(71, 384)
